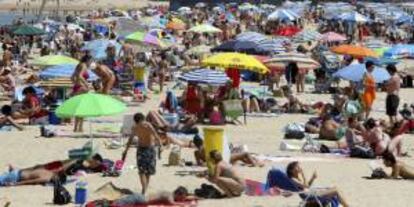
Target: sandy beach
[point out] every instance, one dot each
(262, 135)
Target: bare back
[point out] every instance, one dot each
(145, 133)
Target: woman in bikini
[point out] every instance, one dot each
(107, 77)
(80, 85)
(225, 177)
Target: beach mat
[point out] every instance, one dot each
(181, 204)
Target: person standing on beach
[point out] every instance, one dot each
(107, 77)
(392, 88)
(146, 153)
(369, 94)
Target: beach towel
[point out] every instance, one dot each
(256, 188)
(105, 203)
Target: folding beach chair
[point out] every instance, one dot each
(278, 178)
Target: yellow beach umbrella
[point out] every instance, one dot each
(235, 60)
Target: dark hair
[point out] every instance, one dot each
(370, 123)
(213, 154)
(6, 110)
(391, 69)
(97, 157)
(389, 157)
(139, 117)
(290, 167)
(198, 142)
(181, 191)
(369, 64)
(86, 58)
(28, 90)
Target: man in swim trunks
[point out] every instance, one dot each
(393, 88)
(146, 153)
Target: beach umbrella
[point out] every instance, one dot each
(353, 17)
(205, 76)
(307, 35)
(175, 25)
(247, 6)
(400, 51)
(383, 61)
(146, 39)
(380, 51)
(50, 60)
(355, 72)
(199, 50)
(235, 60)
(27, 30)
(238, 46)
(184, 9)
(62, 71)
(332, 37)
(251, 36)
(97, 48)
(282, 14)
(205, 28)
(90, 105)
(271, 46)
(354, 50)
(375, 44)
(303, 61)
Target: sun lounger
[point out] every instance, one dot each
(278, 178)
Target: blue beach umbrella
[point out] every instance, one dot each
(98, 48)
(400, 51)
(283, 14)
(355, 73)
(62, 71)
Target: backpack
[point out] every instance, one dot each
(208, 192)
(174, 158)
(61, 196)
(294, 131)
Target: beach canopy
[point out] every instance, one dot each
(62, 71)
(354, 50)
(97, 48)
(283, 14)
(90, 105)
(205, 28)
(355, 72)
(282, 60)
(332, 37)
(27, 30)
(206, 76)
(50, 60)
(236, 61)
(400, 51)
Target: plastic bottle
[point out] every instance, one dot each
(81, 193)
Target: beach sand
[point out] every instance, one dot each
(262, 135)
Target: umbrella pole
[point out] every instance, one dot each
(90, 131)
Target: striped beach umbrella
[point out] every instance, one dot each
(282, 60)
(206, 76)
(307, 35)
(332, 37)
(282, 14)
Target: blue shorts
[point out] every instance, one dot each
(11, 177)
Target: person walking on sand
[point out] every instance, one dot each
(146, 153)
(392, 88)
(369, 94)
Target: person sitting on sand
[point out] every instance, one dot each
(294, 105)
(379, 140)
(244, 157)
(32, 108)
(7, 118)
(107, 77)
(295, 172)
(329, 127)
(225, 177)
(399, 169)
(7, 81)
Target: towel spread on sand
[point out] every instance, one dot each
(256, 188)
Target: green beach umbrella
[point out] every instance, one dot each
(90, 105)
(380, 51)
(28, 30)
(50, 60)
(136, 37)
(205, 28)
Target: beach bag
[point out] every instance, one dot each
(294, 131)
(362, 152)
(378, 174)
(174, 159)
(208, 192)
(61, 195)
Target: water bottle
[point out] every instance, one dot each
(81, 193)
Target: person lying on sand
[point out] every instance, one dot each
(294, 105)
(295, 172)
(29, 176)
(7, 119)
(379, 140)
(399, 169)
(244, 157)
(179, 195)
(225, 177)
